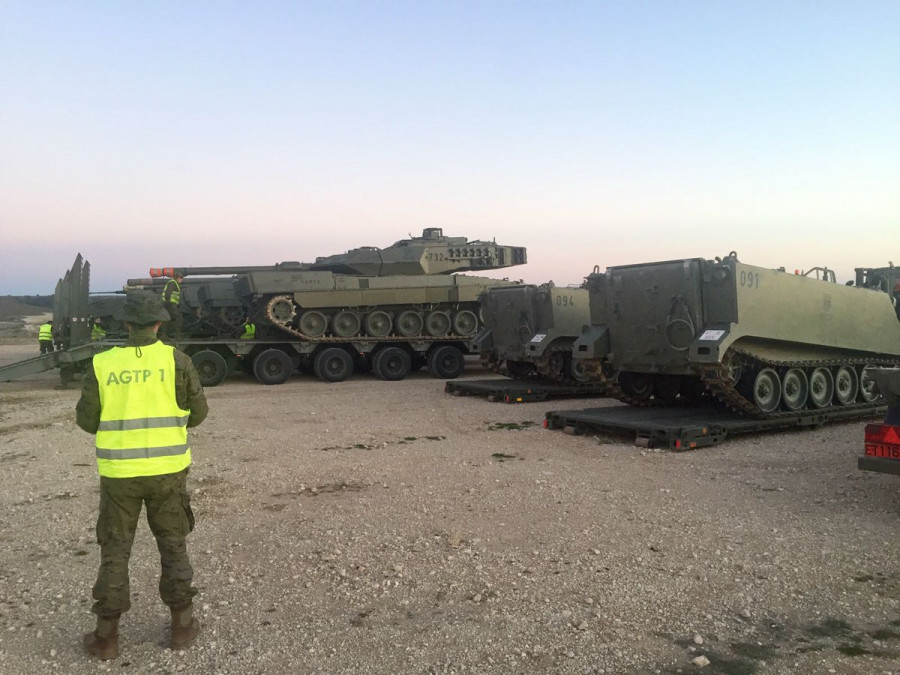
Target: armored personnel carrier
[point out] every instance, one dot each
(528, 331)
(390, 309)
(765, 342)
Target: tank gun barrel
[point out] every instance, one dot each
(160, 272)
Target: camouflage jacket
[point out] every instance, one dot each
(188, 390)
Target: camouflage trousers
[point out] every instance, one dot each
(171, 520)
(171, 329)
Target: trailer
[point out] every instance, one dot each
(271, 357)
(687, 427)
(509, 390)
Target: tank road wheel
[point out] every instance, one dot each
(211, 367)
(821, 388)
(846, 385)
(273, 366)
(378, 323)
(333, 365)
(230, 317)
(520, 369)
(392, 363)
(465, 322)
(733, 365)
(410, 323)
(313, 323)
(638, 386)
(446, 362)
(346, 324)
(766, 392)
(794, 389)
(576, 370)
(281, 309)
(437, 324)
(868, 392)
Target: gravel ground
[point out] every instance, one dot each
(387, 527)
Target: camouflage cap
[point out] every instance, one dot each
(142, 307)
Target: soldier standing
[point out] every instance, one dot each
(171, 296)
(139, 400)
(45, 337)
(248, 329)
(97, 330)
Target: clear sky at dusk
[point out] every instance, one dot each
(144, 134)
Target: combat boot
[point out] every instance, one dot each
(103, 642)
(184, 627)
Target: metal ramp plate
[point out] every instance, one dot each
(683, 427)
(519, 391)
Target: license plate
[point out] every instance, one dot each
(885, 450)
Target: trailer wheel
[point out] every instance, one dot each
(273, 366)
(446, 362)
(333, 365)
(211, 367)
(392, 363)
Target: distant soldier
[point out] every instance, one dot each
(248, 329)
(171, 296)
(97, 331)
(139, 400)
(45, 337)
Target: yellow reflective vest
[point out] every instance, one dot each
(142, 430)
(175, 295)
(97, 332)
(45, 332)
(249, 331)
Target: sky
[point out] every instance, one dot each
(149, 134)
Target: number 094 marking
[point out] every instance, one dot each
(565, 300)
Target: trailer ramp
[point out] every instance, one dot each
(686, 427)
(509, 390)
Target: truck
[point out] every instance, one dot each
(882, 441)
(390, 311)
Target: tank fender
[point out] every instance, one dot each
(593, 343)
(710, 345)
(483, 341)
(540, 343)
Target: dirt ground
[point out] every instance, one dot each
(388, 527)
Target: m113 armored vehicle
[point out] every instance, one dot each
(528, 331)
(765, 342)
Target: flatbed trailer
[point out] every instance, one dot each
(273, 361)
(509, 390)
(687, 427)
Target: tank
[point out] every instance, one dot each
(528, 331)
(210, 306)
(408, 290)
(765, 342)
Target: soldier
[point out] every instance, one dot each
(139, 400)
(45, 337)
(97, 331)
(171, 295)
(248, 329)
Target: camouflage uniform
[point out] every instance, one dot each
(165, 496)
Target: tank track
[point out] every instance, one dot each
(284, 326)
(718, 381)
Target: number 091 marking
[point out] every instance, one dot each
(749, 279)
